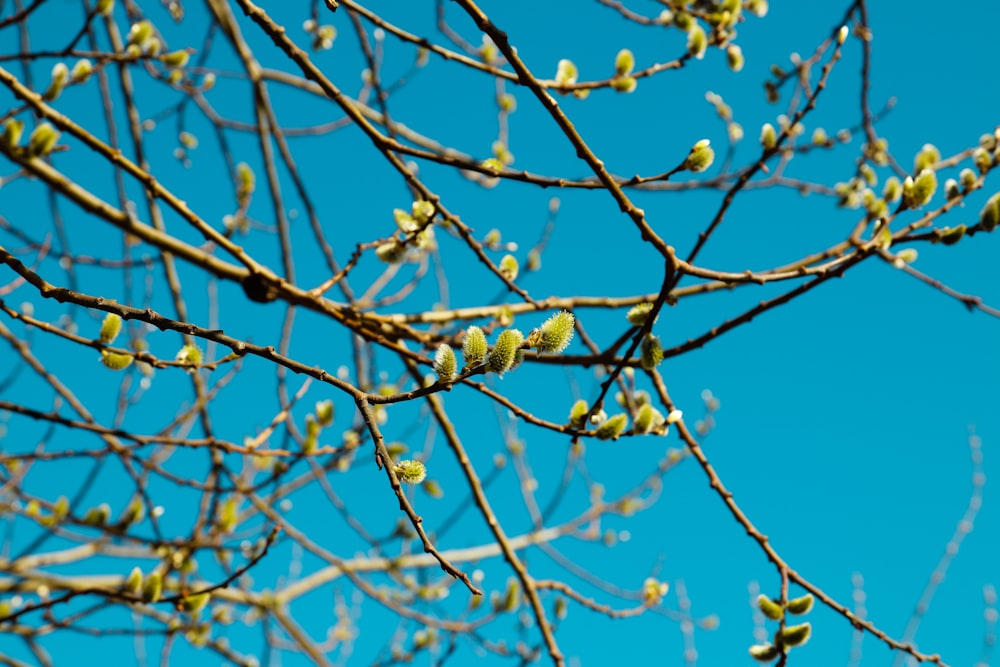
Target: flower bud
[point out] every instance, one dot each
(444, 362)
(612, 427)
(504, 353)
(556, 333)
(410, 471)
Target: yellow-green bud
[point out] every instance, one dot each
(105, 7)
(697, 41)
(133, 582)
(556, 333)
(968, 179)
(324, 412)
(410, 471)
(566, 73)
(892, 190)
(951, 236)
(624, 63)
(116, 361)
(13, 129)
(982, 159)
(444, 362)
(422, 211)
(989, 217)
(801, 605)
(612, 427)
(639, 313)
(42, 140)
(647, 419)
(82, 70)
(578, 412)
(189, 355)
(734, 57)
(795, 635)
(768, 137)
(195, 603)
(474, 346)
(651, 353)
(176, 59)
(504, 353)
(918, 192)
(701, 157)
(624, 84)
(927, 157)
(110, 328)
(842, 34)
(509, 267)
(764, 652)
(391, 252)
(770, 608)
(152, 587)
(98, 516)
(60, 73)
(140, 32)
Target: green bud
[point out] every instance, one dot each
(968, 179)
(509, 267)
(556, 332)
(98, 516)
(734, 57)
(697, 41)
(82, 71)
(152, 587)
(13, 129)
(624, 84)
(133, 582)
(982, 159)
(140, 32)
(189, 355)
(801, 605)
(60, 73)
(764, 652)
(770, 608)
(892, 190)
(795, 635)
(505, 351)
(116, 361)
(110, 328)
(578, 412)
(989, 217)
(176, 59)
(768, 137)
(324, 412)
(612, 427)
(391, 252)
(951, 236)
(566, 73)
(638, 314)
(42, 140)
(701, 157)
(474, 346)
(195, 603)
(422, 211)
(918, 192)
(410, 471)
(647, 419)
(927, 156)
(651, 353)
(444, 362)
(624, 63)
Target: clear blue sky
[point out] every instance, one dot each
(845, 416)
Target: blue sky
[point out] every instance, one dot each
(845, 416)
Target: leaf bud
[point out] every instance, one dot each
(556, 332)
(474, 346)
(110, 328)
(770, 608)
(801, 605)
(612, 427)
(42, 140)
(410, 471)
(504, 353)
(444, 362)
(795, 635)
